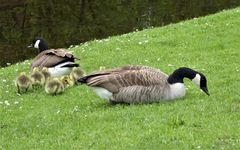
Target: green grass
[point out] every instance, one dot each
(78, 119)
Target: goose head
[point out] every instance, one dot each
(39, 43)
(196, 77)
(200, 80)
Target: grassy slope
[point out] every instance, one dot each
(79, 119)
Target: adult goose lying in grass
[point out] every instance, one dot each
(142, 84)
(58, 61)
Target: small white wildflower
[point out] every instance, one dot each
(76, 46)
(146, 60)
(158, 59)
(140, 43)
(6, 91)
(70, 46)
(136, 30)
(198, 147)
(4, 80)
(6, 103)
(146, 41)
(8, 64)
(16, 102)
(58, 111)
(237, 70)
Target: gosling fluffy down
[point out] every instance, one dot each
(23, 82)
(54, 86)
(37, 77)
(67, 81)
(76, 73)
(46, 73)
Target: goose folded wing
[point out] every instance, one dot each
(113, 81)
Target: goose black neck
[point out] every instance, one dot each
(178, 75)
(43, 46)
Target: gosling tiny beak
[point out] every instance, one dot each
(30, 46)
(205, 89)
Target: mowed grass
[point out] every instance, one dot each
(78, 119)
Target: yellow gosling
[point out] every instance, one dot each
(37, 77)
(54, 86)
(46, 73)
(76, 73)
(23, 83)
(67, 81)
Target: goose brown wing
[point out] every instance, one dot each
(116, 79)
(52, 57)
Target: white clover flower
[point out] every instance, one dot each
(16, 102)
(58, 111)
(4, 80)
(158, 59)
(6, 103)
(140, 43)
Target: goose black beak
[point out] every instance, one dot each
(30, 46)
(205, 89)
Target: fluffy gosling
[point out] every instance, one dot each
(37, 77)
(67, 81)
(54, 86)
(23, 83)
(45, 73)
(76, 73)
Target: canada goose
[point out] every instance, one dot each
(76, 73)
(54, 86)
(46, 73)
(23, 82)
(142, 84)
(59, 61)
(67, 81)
(37, 77)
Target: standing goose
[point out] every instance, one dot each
(58, 61)
(142, 84)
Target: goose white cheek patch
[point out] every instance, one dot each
(36, 45)
(196, 80)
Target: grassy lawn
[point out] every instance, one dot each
(78, 119)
